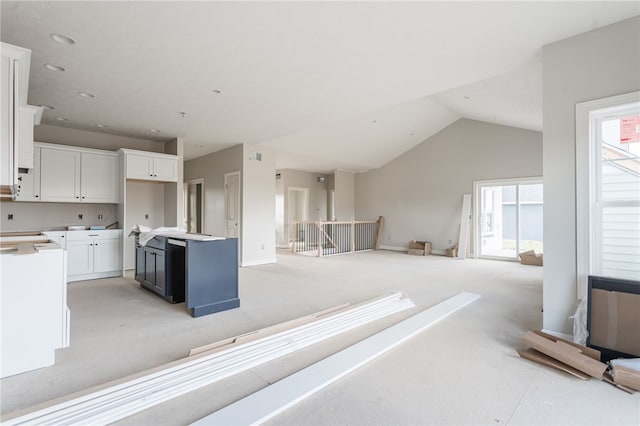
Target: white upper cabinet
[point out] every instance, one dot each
(165, 169)
(59, 175)
(18, 118)
(140, 165)
(98, 178)
(75, 175)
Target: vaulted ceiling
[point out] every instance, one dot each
(326, 84)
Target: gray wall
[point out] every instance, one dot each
(258, 207)
(97, 140)
(344, 186)
(212, 168)
(317, 199)
(38, 216)
(593, 65)
(420, 192)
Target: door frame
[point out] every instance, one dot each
(238, 203)
(477, 228)
(289, 216)
(185, 187)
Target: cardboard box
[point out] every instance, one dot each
(419, 248)
(615, 321)
(531, 258)
(453, 251)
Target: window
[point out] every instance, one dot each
(509, 217)
(608, 188)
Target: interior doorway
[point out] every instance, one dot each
(232, 203)
(194, 206)
(508, 217)
(297, 208)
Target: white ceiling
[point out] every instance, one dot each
(306, 78)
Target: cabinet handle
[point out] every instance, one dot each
(77, 197)
(94, 235)
(83, 197)
(37, 196)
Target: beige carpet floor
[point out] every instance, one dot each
(463, 370)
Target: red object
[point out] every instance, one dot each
(630, 129)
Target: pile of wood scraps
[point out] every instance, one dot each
(579, 361)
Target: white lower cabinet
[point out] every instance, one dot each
(93, 254)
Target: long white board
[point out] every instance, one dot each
(274, 399)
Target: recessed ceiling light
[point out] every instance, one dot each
(62, 39)
(373, 121)
(467, 97)
(154, 130)
(182, 114)
(216, 91)
(46, 106)
(52, 67)
(102, 126)
(86, 95)
(62, 119)
(411, 134)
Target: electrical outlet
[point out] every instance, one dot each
(100, 216)
(80, 216)
(450, 241)
(263, 247)
(10, 216)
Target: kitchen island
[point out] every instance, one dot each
(197, 269)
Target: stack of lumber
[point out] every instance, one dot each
(117, 400)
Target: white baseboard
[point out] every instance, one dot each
(258, 262)
(396, 248)
(393, 248)
(568, 337)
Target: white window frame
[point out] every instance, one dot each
(588, 117)
(477, 211)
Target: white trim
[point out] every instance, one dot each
(465, 218)
(585, 181)
(568, 337)
(185, 191)
(105, 404)
(439, 252)
(259, 262)
(394, 248)
(268, 402)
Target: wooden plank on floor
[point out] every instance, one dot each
(565, 353)
(274, 399)
(540, 358)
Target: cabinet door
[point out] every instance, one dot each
(106, 255)
(59, 175)
(140, 262)
(99, 178)
(29, 183)
(149, 267)
(159, 284)
(165, 169)
(79, 257)
(139, 167)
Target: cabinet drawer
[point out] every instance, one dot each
(94, 235)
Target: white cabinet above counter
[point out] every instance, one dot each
(68, 174)
(143, 165)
